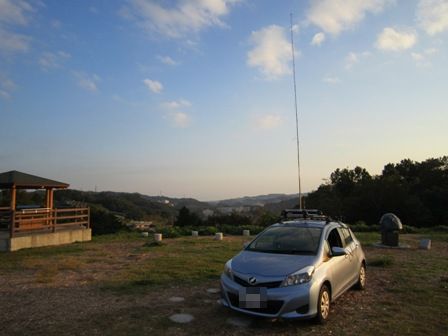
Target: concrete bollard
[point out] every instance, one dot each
(158, 237)
(194, 233)
(145, 234)
(425, 244)
(218, 236)
(246, 233)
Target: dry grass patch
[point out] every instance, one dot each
(118, 285)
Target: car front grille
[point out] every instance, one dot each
(244, 283)
(272, 307)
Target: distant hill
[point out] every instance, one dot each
(130, 205)
(177, 203)
(261, 200)
(164, 209)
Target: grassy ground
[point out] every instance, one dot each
(120, 284)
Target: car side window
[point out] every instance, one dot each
(334, 239)
(346, 236)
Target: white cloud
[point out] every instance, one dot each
(422, 59)
(271, 52)
(7, 86)
(167, 60)
(14, 12)
(184, 18)
(391, 39)
(269, 121)
(173, 112)
(331, 80)
(430, 51)
(179, 119)
(354, 58)
(318, 39)
(86, 81)
(153, 85)
(4, 94)
(417, 56)
(56, 24)
(335, 16)
(176, 104)
(295, 29)
(50, 60)
(11, 42)
(432, 16)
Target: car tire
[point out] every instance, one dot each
(361, 284)
(323, 305)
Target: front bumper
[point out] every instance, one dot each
(283, 302)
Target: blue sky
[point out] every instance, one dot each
(195, 97)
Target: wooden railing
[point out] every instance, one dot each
(42, 219)
(5, 219)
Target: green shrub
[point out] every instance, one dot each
(206, 230)
(104, 222)
(169, 232)
(410, 229)
(440, 228)
(361, 226)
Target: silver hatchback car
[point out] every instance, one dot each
(294, 269)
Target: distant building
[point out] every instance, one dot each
(207, 213)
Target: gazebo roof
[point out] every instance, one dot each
(27, 181)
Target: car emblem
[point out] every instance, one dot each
(252, 280)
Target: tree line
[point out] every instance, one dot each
(417, 192)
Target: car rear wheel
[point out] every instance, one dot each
(323, 305)
(361, 284)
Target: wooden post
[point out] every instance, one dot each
(51, 198)
(12, 228)
(49, 205)
(47, 198)
(13, 210)
(13, 197)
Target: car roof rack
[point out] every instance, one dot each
(312, 214)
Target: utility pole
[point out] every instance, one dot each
(297, 117)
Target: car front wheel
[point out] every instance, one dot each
(323, 305)
(361, 284)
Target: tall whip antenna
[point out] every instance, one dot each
(297, 117)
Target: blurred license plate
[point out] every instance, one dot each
(253, 297)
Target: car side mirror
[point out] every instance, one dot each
(338, 251)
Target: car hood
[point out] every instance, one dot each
(270, 264)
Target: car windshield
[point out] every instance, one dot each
(287, 240)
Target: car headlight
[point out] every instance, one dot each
(228, 269)
(302, 276)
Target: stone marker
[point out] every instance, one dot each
(218, 236)
(145, 234)
(176, 299)
(213, 290)
(158, 237)
(425, 244)
(194, 233)
(246, 233)
(390, 224)
(182, 318)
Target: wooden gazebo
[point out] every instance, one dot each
(54, 226)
